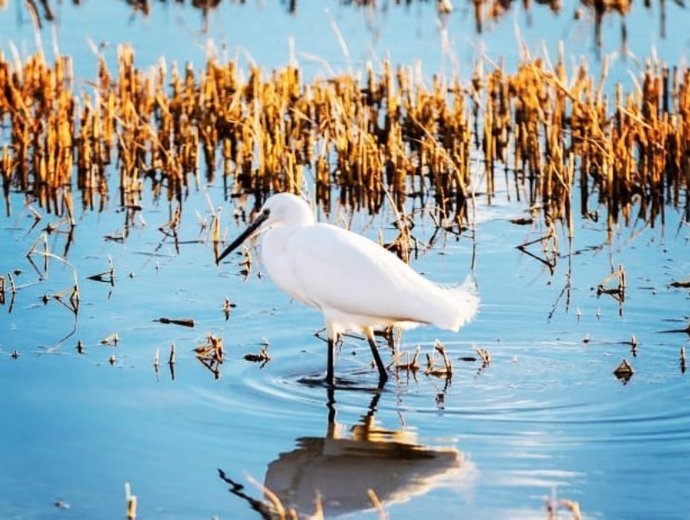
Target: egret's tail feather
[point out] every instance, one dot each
(464, 300)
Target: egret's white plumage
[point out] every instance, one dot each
(356, 283)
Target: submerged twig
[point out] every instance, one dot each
(184, 322)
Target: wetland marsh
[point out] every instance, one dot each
(137, 138)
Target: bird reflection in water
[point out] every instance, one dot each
(339, 469)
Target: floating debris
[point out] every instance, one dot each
(213, 348)
(682, 360)
(115, 237)
(170, 229)
(81, 349)
(246, 263)
(184, 322)
(411, 366)
(262, 357)
(624, 371)
(617, 292)
(633, 345)
(112, 360)
(68, 297)
(61, 504)
(106, 276)
(522, 221)
(211, 354)
(112, 340)
(227, 307)
(14, 354)
(549, 249)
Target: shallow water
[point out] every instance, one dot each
(546, 418)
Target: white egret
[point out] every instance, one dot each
(357, 284)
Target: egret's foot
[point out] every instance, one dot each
(383, 373)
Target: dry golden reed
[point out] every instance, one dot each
(388, 133)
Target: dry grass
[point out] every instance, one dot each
(389, 134)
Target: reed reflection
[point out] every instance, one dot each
(342, 467)
(486, 14)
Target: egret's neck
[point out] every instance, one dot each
(274, 244)
(277, 235)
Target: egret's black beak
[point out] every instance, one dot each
(245, 234)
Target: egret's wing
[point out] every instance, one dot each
(341, 270)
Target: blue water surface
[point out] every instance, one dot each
(546, 419)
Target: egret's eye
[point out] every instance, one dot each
(266, 212)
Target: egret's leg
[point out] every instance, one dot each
(383, 375)
(330, 367)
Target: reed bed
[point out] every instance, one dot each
(363, 137)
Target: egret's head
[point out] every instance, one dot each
(282, 208)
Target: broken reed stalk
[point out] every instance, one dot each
(411, 366)
(378, 505)
(211, 354)
(276, 505)
(388, 133)
(131, 502)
